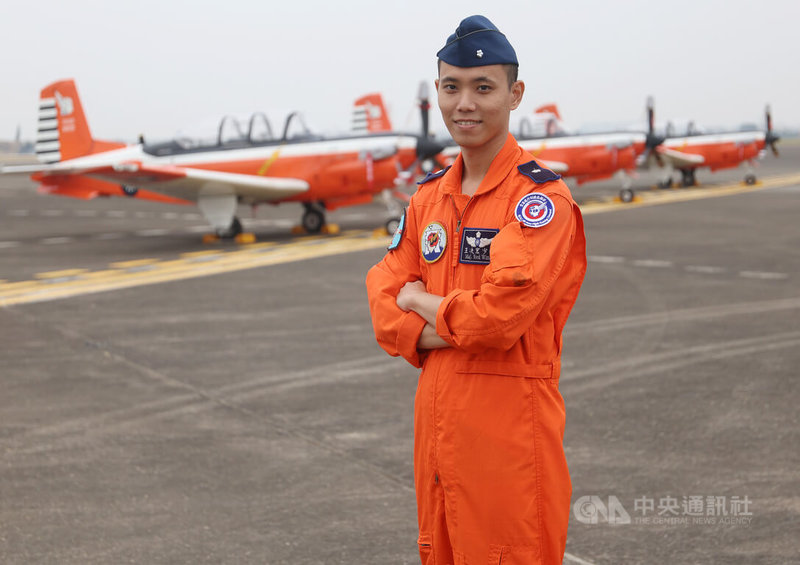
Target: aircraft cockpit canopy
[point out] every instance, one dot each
(232, 133)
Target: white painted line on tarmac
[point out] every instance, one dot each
(704, 269)
(653, 263)
(52, 213)
(116, 213)
(86, 213)
(191, 216)
(152, 233)
(575, 559)
(169, 215)
(8, 244)
(144, 214)
(763, 275)
(110, 235)
(56, 240)
(19, 213)
(605, 259)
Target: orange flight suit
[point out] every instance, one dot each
(489, 466)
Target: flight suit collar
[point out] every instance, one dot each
(498, 171)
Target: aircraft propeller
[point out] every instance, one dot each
(770, 139)
(652, 140)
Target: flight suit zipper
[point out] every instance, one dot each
(457, 243)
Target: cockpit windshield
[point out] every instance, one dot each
(234, 131)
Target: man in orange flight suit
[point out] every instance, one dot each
(476, 288)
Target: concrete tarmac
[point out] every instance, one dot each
(246, 414)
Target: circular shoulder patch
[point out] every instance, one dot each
(433, 242)
(535, 210)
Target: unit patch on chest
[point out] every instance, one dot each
(433, 242)
(475, 245)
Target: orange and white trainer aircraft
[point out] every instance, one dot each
(255, 165)
(584, 157)
(717, 151)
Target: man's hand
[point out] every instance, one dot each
(410, 290)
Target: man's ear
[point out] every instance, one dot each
(517, 90)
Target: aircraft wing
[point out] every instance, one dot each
(679, 159)
(555, 166)
(452, 151)
(189, 183)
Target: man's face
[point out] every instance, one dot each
(476, 103)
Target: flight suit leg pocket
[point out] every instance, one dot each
(513, 555)
(425, 545)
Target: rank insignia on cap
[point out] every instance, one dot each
(535, 210)
(475, 43)
(433, 242)
(475, 246)
(398, 233)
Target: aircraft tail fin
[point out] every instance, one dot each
(63, 132)
(369, 115)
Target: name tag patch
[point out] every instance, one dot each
(475, 245)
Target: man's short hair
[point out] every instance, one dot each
(512, 71)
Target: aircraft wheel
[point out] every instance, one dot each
(626, 195)
(313, 220)
(129, 190)
(232, 231)
(750, 179)
(392, 225)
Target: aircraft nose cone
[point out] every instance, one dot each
(428, 147)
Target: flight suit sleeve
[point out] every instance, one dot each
(525, 263)
(396, 331)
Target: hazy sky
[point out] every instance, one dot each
(157, 66)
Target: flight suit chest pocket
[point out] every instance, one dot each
(511, 260)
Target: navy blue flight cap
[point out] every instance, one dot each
(477, 42)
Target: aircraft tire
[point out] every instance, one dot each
(313, 220)
(626, 195)
(750, 179)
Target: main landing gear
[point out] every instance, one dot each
(688, 178)
(313, 219)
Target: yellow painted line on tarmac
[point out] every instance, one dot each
(60, 274)
(248, 257)
(132, 264)
(682, 195)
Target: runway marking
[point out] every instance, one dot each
(656, 263)
(685, 315)
(52, 213)
(681, 195)
(578, 560)
(8, 244)
(153, 232)
(86, 213)
(763, 275)
(56, 240)
(63, 274)
(127, 274)
(704, 269)
(116, 213)
(19, 213)
(695, 269)
(637, 366)
(110, 235)
(609, 259)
